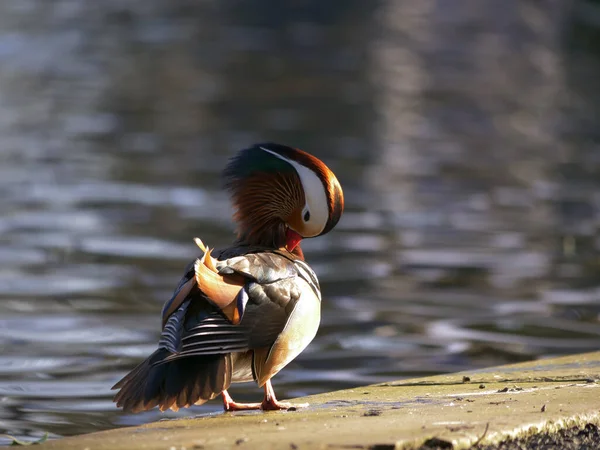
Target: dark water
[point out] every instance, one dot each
(465, 141)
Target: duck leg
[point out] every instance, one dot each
(270, 402)
(230, 405)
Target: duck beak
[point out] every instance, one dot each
(292, 239)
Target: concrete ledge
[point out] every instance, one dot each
(483, 406)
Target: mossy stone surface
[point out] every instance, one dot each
(482, 406)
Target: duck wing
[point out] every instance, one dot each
(263, 290)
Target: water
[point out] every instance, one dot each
(471, 232)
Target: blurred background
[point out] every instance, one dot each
(466, 135)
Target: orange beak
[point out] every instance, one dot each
(292, 239)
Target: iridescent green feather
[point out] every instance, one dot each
(253, 161)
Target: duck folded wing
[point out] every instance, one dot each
(264, 310)
(249, 316)
(225, 276)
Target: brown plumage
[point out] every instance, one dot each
(243, 313)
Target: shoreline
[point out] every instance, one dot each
(483, 407)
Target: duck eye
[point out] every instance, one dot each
(307, 216)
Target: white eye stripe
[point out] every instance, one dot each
(314, 192)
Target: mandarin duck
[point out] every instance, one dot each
(243, 313)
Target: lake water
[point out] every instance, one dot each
(466, 143)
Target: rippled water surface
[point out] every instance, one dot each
(471, 232)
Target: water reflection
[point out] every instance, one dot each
(471, 231)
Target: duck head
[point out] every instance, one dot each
(282, 195)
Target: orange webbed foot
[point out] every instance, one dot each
(276, 405)
(270, 402)
(230, 405)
